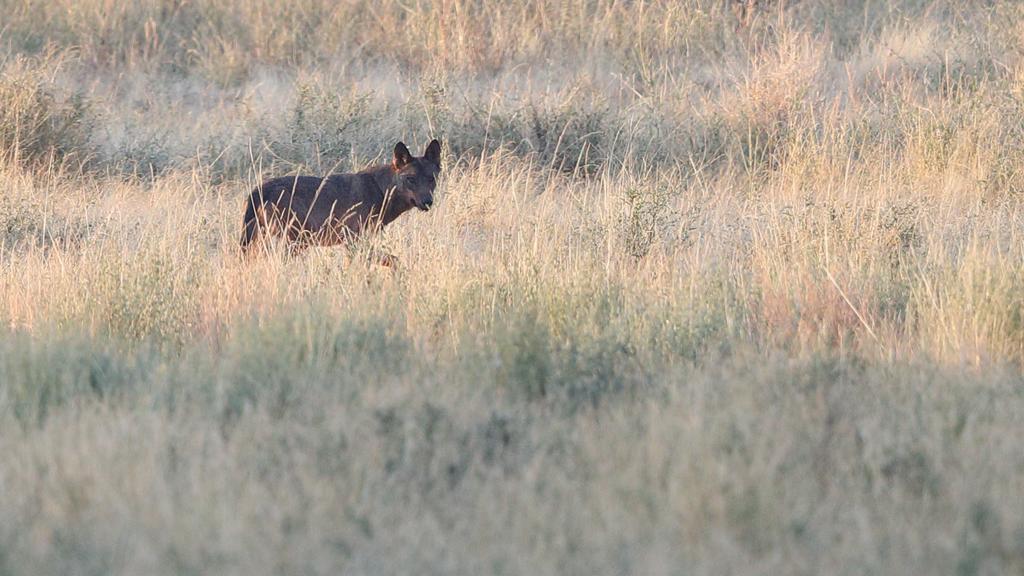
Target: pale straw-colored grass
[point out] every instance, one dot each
(695, 296)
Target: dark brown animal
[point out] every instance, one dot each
(315, 211)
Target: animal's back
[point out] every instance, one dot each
(275, 189)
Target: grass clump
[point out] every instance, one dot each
(38, 122)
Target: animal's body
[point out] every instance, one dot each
(324, 211)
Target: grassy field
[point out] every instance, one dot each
(703, 292)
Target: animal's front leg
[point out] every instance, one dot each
(296, 249)
(380, 255)
(368, 254)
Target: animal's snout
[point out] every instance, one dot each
(427, 202)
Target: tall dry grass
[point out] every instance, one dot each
(698, 295)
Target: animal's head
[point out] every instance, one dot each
(416, 178)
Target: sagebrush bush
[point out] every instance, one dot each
(38, 122)
(323, 127)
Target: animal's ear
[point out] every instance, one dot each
(402, 156)
(433, 153)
